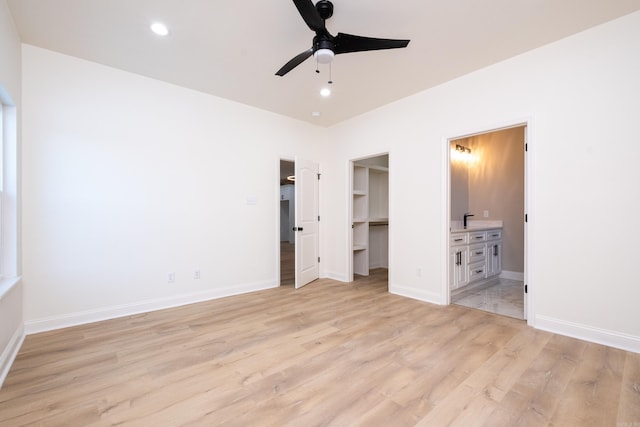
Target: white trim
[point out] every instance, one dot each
(334, 276)
(529, 226)
(349, 223)
(10, 352)
(512, 275)
(107, 313)
(7, 283)
(445, 294)
(420, 295)
(589, 333)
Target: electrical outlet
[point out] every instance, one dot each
(171, 277)
(196, 274)
(485, 214)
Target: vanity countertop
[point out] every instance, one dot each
(456, 226)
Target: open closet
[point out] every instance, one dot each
(370, 214)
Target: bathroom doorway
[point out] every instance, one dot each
(487, 247)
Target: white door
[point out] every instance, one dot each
(306, 199)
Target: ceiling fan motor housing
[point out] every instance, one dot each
(322, 42)
(325, 9)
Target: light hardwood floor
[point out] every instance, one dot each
(327, 354)
(287, 264)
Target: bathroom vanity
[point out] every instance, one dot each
(475, 256)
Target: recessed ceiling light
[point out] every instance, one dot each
(325, 92)
(315, 113)
(159, 28)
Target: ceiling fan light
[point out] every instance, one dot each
(324, 56)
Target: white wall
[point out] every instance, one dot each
(581, 97)
(11, 314)
(126, 178)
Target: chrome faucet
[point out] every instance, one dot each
(467, 215)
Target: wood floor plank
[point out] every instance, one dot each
(535, 396)
(593, 394)
(327, 354)
(629, 406)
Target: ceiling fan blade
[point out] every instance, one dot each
(311, 16)
(297, 60)
(345, 43)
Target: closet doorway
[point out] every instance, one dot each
(487, 221)
(287, 222)
(369, 218)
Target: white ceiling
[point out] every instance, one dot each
(232, 49)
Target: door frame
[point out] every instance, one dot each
(529, 192)
(349, 222)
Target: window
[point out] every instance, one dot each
(8, 188)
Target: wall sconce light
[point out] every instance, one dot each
(462, 149)
(291, 178)
(462, 154)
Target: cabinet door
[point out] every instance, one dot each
(458, 272)
(494, 258)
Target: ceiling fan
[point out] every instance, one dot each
(325, 46)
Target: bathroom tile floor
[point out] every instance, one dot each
(503, 297)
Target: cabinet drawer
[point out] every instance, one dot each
(477, 253)
(459, 239)
(477, 271)
(477, 237)
(494, 234)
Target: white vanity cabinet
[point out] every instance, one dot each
(494, 252)
(459, 260)
(475, 256)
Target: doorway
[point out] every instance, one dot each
(369, 218)
(287, 223)
(487, 193)
(299, 218)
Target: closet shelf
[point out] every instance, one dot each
(359, 247)
(379, 221)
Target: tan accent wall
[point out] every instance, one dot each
(459, 184)
(496, 183)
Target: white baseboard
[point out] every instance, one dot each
(420, 295)
(512, 275)
(335, 276)
(90, 316)
(10, 352)
(589, 333)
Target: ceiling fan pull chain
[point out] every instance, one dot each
(330, 78)
(317, 71)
